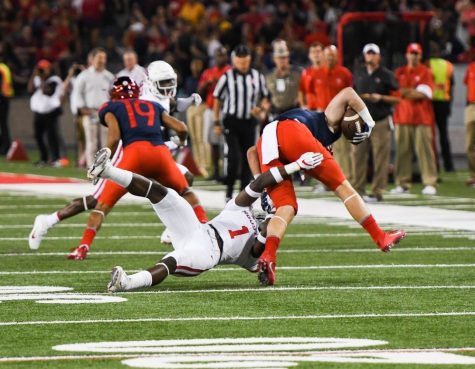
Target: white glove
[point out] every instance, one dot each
(310, 160)
(196, 98)
(177, 141)
(171, 145)
(361, 136)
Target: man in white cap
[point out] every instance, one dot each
(374, 83)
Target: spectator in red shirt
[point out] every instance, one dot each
(414, 120)
(307, 96)
(206, 86)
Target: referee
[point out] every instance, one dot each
(238, 96)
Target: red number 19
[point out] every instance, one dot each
(137, 109)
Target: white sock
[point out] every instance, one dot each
(366, 116)
(120, 176)
(139, 280)
(52, 219)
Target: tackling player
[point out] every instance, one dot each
(298, 131)
(137, 123)
(230, 238)
(159, 86)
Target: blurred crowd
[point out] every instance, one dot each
(45, 45)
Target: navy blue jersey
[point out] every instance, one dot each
(315, 122)
(139, 120)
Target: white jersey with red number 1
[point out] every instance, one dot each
(237, 227)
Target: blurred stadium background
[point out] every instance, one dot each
(178, 31)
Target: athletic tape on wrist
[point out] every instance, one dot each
(292, 168)
(276, 174)
(261, 238)
(166, 267)
(84, 201)
(251, 192)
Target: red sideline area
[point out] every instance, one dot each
(12, 178)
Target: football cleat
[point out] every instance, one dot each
(266, 274)
(390, 239)
(101, 160)
(118, 280)
(79, 253)
(166, 237)
(40, 229)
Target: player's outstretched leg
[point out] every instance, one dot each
(360, 212)
(120, 281)
(45, 222)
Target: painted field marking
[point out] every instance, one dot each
(241, 318)
(266, 290)
(83, 225)
(20, 359)
(240, 270)
(261, 352)
(289, 251)
(53, 295)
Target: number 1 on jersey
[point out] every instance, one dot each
(238, 232)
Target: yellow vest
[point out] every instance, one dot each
(6, 89)
(442, 71)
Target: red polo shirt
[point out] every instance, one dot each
(469, 80)
(414, 111)
(328, 82)
(211, 74)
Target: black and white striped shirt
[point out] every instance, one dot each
(240, 92)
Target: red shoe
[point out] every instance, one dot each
(266, 274)
(390, 239)
(79, 253)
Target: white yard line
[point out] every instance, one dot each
(241, 318)
(385, 213)
(83, 225)
(280, 251)
(240, 270)
(290, 289)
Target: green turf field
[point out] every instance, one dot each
(331, 283)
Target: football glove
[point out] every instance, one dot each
(196, 99)
(361, 136)
(266, 202)
(310, 160)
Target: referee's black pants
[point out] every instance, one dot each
(47, 124)
(442, 112)
(240, 135)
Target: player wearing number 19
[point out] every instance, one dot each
(138, 124)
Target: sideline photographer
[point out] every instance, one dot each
(46, 89)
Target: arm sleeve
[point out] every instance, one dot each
(183, 103)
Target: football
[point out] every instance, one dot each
(351, 124)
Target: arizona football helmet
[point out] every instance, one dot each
(124, 88)
(161, 79)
